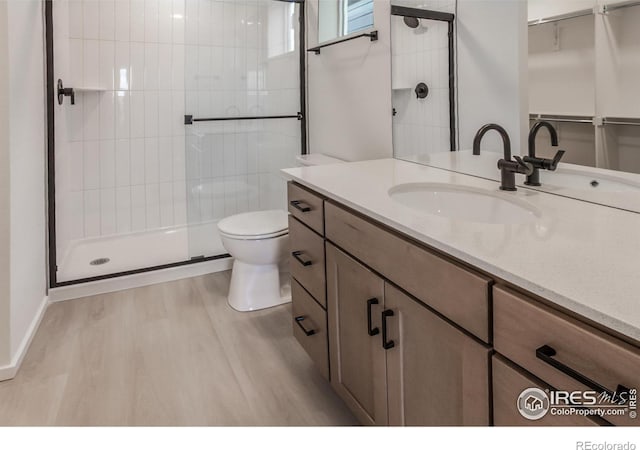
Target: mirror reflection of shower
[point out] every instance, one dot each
(418, 25)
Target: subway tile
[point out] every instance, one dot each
(137, 21)
(137, 152)
(136, 64)
(191, 22)
(165, 21)
(91, 63)
(151, 20)
(76, 166)
(165, 114)
(107, 115)
(123, 209)
(91, 20)
(151, 66)
(137, 114)
(122, 163)
(122, 20)
(165, 159)
(76, 63)
(166, 205)
(150, 113)
(152, 201)
(178, 26)
(177, 68)
(91, 211)
(178, 147)
(138, 208)
(122, 66)
(204, 22)
(179, 203)
(177, 113)
(107, 19)
(91, 164)
(123, 115)
(165, 72)
(76, 19)
(108, 224)
(151, 162)
(107, 164)
(91, 115)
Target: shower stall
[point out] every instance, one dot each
(166, 116)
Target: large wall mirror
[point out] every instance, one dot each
(583, 78)
(339, 18)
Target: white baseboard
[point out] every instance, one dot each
(10, 371)
(139, 280)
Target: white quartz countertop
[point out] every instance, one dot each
(578, 255)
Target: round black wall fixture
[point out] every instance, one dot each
(422, 90)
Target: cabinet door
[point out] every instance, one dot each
(436, 374)
(357, 359)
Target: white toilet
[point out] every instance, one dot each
(259, 242)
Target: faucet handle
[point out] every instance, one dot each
(553, 164)
(524, 167)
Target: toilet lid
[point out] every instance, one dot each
(259, 223)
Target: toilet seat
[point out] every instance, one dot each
(255, 225)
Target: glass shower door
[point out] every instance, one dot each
(242, 111)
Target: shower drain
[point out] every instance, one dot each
(99, 261)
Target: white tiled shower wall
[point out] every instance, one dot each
(421, 126)
(122, 162)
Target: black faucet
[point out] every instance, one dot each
(508, 168)
(541, 163)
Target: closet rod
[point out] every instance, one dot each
(608, 8)
(620, 121)
(571, 15)
(560, 118)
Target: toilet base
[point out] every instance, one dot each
(254, 287)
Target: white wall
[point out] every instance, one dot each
(26, 101)
(5, 228)
(349, 92)
(349, 85)
(492, 67)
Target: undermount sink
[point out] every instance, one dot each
(464, 203)
(584, 181)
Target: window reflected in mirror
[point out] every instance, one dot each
(338, 18)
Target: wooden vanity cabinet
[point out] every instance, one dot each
(355, 302)
(410, 367)
(437, 375)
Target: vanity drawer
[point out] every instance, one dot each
(457, 293)
(307, 259)
(310, 327)
(521, 327)
(509, 381)
(307, 207)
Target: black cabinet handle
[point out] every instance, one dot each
(300, 206)
(546, 354)
(370, 303)
(386, 344)
(304, 262)
(299, 321)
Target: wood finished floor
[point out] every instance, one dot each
(170, 354)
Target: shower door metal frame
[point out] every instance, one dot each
(450, 18)
(51, 164)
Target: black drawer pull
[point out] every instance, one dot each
(299, 321)
(546, 354)
(370, 303)
(386, 344)
(304, 262)
(300, 206)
